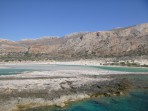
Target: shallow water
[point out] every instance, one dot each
(17, 69)
(9, 71)
(125, 69)
(135, 101)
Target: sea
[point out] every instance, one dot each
(135, 100)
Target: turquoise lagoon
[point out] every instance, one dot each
(18, 69)
(136, 100)
(124, 69)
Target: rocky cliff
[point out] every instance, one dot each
(121, 42)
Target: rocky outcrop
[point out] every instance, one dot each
(56, 91)
(121, 42)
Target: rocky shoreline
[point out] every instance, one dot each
(58, 87)
(21, 100)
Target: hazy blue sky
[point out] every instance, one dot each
(35, 18)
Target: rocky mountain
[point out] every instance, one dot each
(121, 42)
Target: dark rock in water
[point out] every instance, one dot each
(98, 86)
(107, 94)
(119, 93)
(124, 84)
(118, 85)
(94, 102)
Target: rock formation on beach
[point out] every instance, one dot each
(46, 88)
(120, 42)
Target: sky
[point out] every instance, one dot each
(24, 19)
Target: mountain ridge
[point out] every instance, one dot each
(121, 42)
